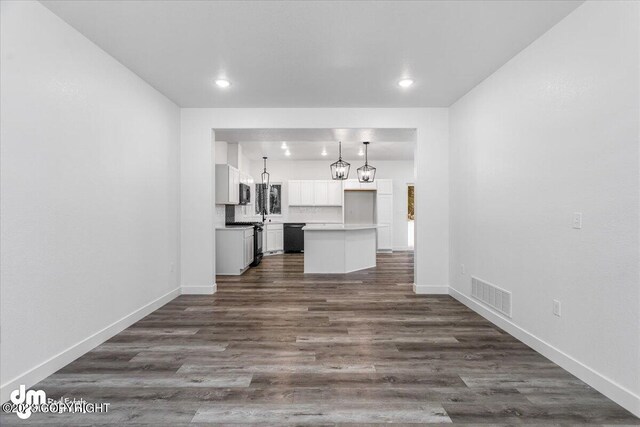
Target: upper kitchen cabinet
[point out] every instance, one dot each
(295, 188)
(246, 179)
(315, 193)
(320, 193)
(227, 185)
(307, 193)
(354, 184)
(335, 193)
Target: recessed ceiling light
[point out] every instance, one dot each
(287, 153)
(324, 152)
(223, 83)
(361, 153)
(284, 145)
(405, 82)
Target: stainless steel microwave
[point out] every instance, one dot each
(245, 194)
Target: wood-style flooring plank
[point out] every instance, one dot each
(278, 347)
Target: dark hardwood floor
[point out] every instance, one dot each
(277, 347)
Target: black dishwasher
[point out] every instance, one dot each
(293, 237)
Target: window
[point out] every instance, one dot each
(260, 200)
(274, 201)
(410, 203)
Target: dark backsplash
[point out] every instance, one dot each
(229, 214)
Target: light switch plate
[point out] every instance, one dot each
(556, 308)
(577, 220)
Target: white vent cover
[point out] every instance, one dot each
(491, 295)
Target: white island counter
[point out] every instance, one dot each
(338, 248)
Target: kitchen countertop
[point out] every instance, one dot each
(341, 227)
(234, 227)
(301, 222)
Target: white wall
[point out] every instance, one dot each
(90, 212)
(400, 171)
(432, 179)
(221, 152)
(555, 131)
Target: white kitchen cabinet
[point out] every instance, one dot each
(234, 250)
(294, 193)
(354, 184)
(307, 193)
(384, 218)
(227, 185)
(351, 184)
(274, 238)
(248, 250)
(320, 193)
(315, 193)
(246, 179)
(369, 185)
(335, 193)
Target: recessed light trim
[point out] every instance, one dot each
(324, 152)
(404, 83)
(287, 153)
(223, 83)
(284, 145)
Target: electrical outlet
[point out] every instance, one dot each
(577, 220)
(463, 270)
(556, 308)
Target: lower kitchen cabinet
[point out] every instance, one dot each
(234, 250)
(274, 237)
(248, 250)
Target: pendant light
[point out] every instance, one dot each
(265, 175)
(340, 169)
(366, 173)
(265, 188)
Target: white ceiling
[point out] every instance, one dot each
(312, 53)
(308, 144)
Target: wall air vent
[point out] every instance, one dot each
(491, 295)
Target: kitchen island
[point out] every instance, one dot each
(339, 248)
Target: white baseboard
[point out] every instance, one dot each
(614, 391)
(430, 290)
(199, 290)
(402, 249)
(60, 360)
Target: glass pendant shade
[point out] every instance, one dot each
(265, 189)
(366, 173)
(340, 169)
(265, 175)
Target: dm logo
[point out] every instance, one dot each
(24, 399)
